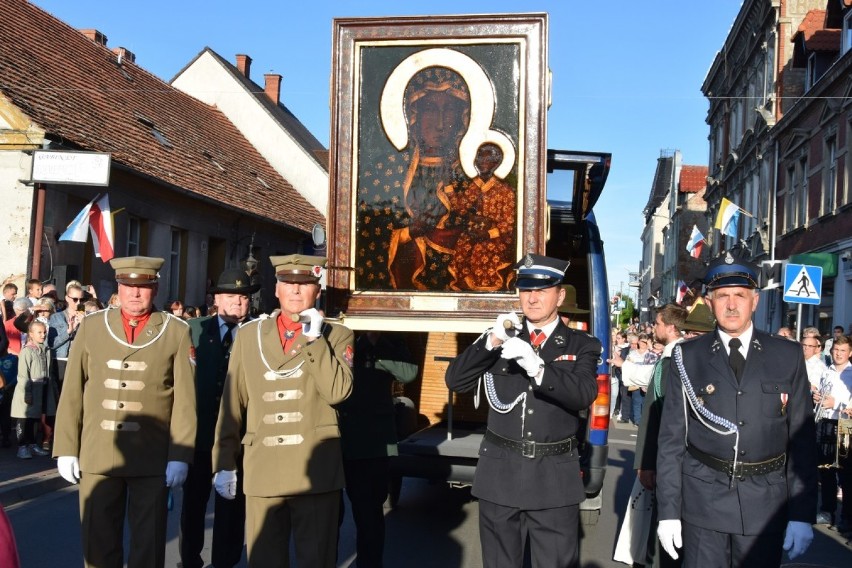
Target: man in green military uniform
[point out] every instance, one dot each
(284, 375)
(125, 427)
(368, 431)
(212, 338)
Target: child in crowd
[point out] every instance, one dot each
(35, 393)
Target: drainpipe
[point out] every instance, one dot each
(774, 203)
(38, 231)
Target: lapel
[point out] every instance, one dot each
(151, 329)
(755, 359)
(555, 343)
(212, 333)
(270, 342)
(719, 360)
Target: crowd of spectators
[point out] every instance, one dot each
(35, 338)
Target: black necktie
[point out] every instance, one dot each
(228, 338)
(735, 358)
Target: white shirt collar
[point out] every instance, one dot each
(745, 338)
(547, 329)
(669, 347)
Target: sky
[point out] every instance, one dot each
(626, 75)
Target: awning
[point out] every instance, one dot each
(826, 260)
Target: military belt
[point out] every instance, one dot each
(530, 448)
(743, 469)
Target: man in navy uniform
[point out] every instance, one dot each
(736, 465)
(212, 337)
(538, 377)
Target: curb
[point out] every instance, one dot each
(30, 487)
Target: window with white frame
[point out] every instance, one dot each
(811, 73)
(134, 235)
(829, 194)
(770, 64)
(174, 265)
(789, 199)
(734, 132)
(802, 194)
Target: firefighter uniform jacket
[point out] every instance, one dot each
(128, 409)
(772, 409)
(548, 413)
(284, 401)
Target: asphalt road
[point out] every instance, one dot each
(433, 526)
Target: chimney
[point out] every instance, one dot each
(95, 36)
(273, 87)
(244, 64)
(124, 55)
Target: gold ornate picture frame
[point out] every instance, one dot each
(437, 163)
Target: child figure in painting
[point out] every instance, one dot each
(485, 249)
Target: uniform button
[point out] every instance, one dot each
(123, 385)
(529, 387)
(280, 440)
(741, 423)
(121, 405)
(280, 418)
(742, 452)
(550, 388)
(119, 426)
(126, 365)
(529, 433)
(280, 395)
(312, 359)
(739, 393)
(530, 411)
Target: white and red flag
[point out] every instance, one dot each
(97, 218)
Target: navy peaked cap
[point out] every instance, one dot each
(536, 271)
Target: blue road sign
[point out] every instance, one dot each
(802, 284)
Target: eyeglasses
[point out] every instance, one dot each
(72, 298)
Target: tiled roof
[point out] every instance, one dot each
(814, 20)
(824, 40)
(281, 113)
(692, 179)
(74, 89)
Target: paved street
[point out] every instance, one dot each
(433, 526)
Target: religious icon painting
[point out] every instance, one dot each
(438, 155)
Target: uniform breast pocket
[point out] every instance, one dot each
(774, 399)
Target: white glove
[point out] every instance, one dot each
(314, 327)
(668, 531)
(500, 331)
(69, 468)
(176, 473)
(523, 353)
(797, 538)
(225, 482)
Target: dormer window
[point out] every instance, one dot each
(155, 132)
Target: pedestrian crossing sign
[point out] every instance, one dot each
(802, 284)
